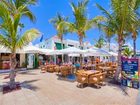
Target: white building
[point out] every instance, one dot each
(55, 43)
(114, 47)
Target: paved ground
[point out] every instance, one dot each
(46, 89)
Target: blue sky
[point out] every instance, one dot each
(47, 9)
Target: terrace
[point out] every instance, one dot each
(47, 89)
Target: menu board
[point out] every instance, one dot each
(130, 72)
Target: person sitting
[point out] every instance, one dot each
(85, 61)
(59, 62)
(77, 65)
(40, 62)
(70, 63)
(97, 60)
(46, 62)
(51, 62)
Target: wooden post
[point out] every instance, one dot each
(0, 62)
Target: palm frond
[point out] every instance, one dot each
(5, 42)
(60, 23)
(105, 12)
(29, 14)
(95, 22)
(27, 37)
(127, 52)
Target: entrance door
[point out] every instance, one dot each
(18, 60)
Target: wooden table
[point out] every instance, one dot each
(105, 68)
(89, 72)
(89, 66)
(114, 66)
(109, 70)
(66, 70)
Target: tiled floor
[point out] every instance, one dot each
(47, 89)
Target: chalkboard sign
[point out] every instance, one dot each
(130, 73)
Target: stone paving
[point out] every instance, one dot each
(47, 89)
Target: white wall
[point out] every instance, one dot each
(22, 59)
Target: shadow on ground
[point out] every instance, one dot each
(62, 78)
(28, 85)
(27, 73)
(24, 84)
(118, 87)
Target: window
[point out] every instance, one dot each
(71, 45)
(58, 46)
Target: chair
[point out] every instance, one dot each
(57, 69)
(43, 68)
(80, 71)
(111, 72)
(81, 79)
(64, 71)
(97, 67)
(95, 80)
(50, 68)
(101, 70)
(102, 78)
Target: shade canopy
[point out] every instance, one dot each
(32, 49)
(113, 53)
(3, 49)
(91, 52)
(74, 55)
(54, 52)
(72, 50)
(45, 51)
(6, 50)
(103, 52)
(96, 52)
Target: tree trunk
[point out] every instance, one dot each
(12, 74)
(81, 47)
(134, 47)
(109, 45)
(61, 42)
(119, 69)
(62, 48)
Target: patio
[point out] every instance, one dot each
(47, 89)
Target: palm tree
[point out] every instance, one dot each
(127, 52)
(135, 26)
(134, 37)
(9, 32)
(61, 31)
(120, 19)
(109, 34)
(81, 23)
(14, 5)
(100, 42)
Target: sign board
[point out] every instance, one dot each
(130, 72)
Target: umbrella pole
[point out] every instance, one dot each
(55, 59)
(62, 58)
(68, 59)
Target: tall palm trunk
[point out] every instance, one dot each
(62, 48)
(81, 46)
(120, 43)
(12, 75)
(134, 36)
(134, 46)
(109, 44)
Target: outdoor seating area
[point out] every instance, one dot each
(86, 75)
(90, 77)
(69, 52)
(45, 89)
